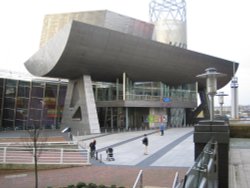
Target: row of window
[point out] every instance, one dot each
(144, 91)
(25, 104)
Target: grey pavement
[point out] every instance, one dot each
(239, 163)
(174, 149)
(159, 166)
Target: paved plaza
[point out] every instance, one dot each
(173, 152)
(129, 150)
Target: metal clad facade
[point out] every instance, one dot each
(128, 25)
(110, 20)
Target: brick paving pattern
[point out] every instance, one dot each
(106, 175)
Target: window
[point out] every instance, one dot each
(22, 103)
(9, 103)
(8, 114)
(23, 92)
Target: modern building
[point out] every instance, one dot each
(118, 77)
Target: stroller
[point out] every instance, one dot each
(110, 155)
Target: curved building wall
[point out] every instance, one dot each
(128, 25)
(169, 18)
(103, 18)
(54, 22)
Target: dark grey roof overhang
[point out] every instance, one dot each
(83, 49)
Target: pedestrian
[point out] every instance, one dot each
(92, 147)
(162, 127)
(145, 143)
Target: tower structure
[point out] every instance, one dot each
(169, 18)
(234, 98)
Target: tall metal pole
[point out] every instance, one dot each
(234, 98)
(221, 100)
(211, 108)
(211, 85)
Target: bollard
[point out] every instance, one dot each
(100, 158)
(96, 155)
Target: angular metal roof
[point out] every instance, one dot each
(83, 49)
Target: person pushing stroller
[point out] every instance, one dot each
(110, 154)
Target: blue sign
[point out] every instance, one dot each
(166, 99)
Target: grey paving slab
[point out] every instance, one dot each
(131, 152)
(182, 155)
(128, 153)
(239, 163)
(107, 140)
(166, 149)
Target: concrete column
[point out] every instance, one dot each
(124, 86)
(80, 109)
(126, 119)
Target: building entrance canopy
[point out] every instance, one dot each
(83, 49)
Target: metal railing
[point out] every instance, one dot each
(44, 144)
(176, 181)
(139, 180)
(25, 155)
(204, 172)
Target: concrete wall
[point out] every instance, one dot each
(80, 110)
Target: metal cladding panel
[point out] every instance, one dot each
(55, 22)
(106, 54)
(175, 35)
(128, 25)
(169, 18)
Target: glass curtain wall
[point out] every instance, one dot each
(112, 117)
(144, 91)
(36, 104)
(1, 100)
(150, 91)
(183, 93)
(28, 103)
(22, 106)
(9, 103)
(177, 117)
(105, 91)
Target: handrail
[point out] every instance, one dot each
(176, 180)
(204, 173)
(139, 180)
(25, 155)
(14, 144)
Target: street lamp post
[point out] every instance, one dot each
(221, 100)
(211, 76)
(218, 130)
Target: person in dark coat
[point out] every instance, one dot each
(145, 143)
(92, 147)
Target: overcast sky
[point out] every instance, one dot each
(215, 27)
